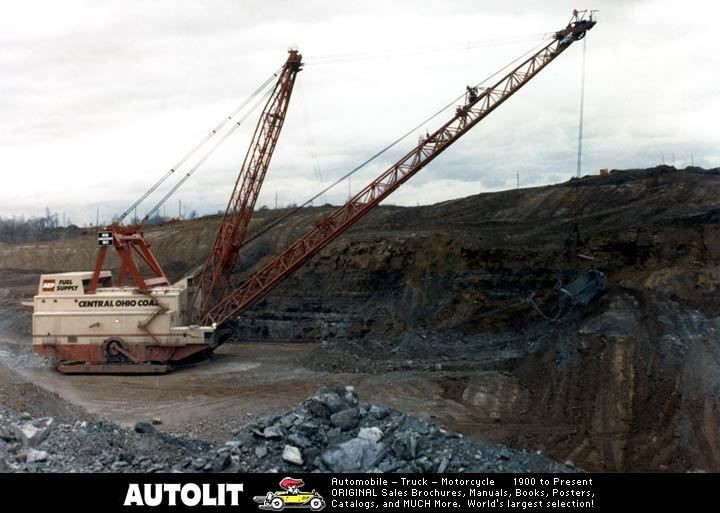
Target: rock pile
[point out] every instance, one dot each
(44, 445)
(332, 431)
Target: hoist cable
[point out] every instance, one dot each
(574, 238)
(582, 109)
(197, 147)
(578, 172)
(321, 60)
(347, 175)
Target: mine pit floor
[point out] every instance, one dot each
(241, 382)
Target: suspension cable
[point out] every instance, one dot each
(383, 150)
(197, 147)
(206, 156)
(321, 60)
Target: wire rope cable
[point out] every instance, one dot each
(198, 146)
(386, 148)
(207, 155)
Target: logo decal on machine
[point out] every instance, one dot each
(48, 286)
(112, 303)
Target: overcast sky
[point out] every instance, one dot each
(98, 99)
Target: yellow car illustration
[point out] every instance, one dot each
(290, 497)
(277, 501)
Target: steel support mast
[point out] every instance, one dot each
(479, 102)
(231, 231)
(129, 241)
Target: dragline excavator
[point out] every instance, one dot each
(91, 323)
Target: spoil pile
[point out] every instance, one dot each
(332, 431)
(45, 445)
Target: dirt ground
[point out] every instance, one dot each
(209, 400)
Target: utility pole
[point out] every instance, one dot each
(179, 209)
(517, 177)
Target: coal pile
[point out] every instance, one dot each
(333, 431)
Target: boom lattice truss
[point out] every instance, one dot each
(479, 102)
(223, 257)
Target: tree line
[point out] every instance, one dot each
(36, 229)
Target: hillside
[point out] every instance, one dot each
(628, 383)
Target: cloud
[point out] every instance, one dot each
(98, 100)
